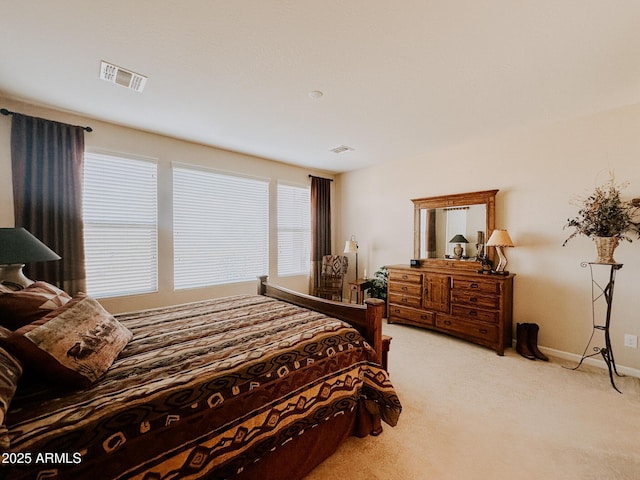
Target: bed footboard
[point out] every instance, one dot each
(367, 319)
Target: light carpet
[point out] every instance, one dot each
(471, 414)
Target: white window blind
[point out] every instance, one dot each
(294, 230)
(220, 227)
(120, 225)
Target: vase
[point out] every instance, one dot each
(605, 247)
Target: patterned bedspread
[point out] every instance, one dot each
(202, 390)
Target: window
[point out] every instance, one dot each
(220, 227)
(294, 230)
(120, 225)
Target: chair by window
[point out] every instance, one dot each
(334, 269)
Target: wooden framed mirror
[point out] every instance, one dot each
(438, 220)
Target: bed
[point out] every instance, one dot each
(249, 386)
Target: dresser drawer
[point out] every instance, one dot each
(468, 328)
(465, 297)
(405, 277)
(411, 315)
(482, 286)
(471, 313)
(405, 300)
(414, 289)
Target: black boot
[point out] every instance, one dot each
(522, 341)
(533, 342)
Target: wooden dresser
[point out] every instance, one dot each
(457, 301)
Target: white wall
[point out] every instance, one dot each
(537, 171)
(113, 138)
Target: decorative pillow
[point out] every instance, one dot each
(10, 372)
(75, 344)
(19, 308)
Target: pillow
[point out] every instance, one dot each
(10, 371)
(19, 308)
(75, 344)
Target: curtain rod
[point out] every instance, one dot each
(314, 176)
(4, 111)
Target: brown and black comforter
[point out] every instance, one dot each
(201, 391)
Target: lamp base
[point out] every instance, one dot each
(503, 260)
(12, 275)
(499, 272)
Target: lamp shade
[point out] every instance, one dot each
(459, 239)
(351, 246)
(500, 238)
(18, 246)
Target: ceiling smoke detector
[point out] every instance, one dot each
(341, 149)
(120, 76)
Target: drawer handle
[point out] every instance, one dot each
(473, 285)
(473, 299)
(483, 331)
(447, 322)
(423, 317)
(404, 289)
(397, 310)
(404, 300)
(405, 276)
(473, 313)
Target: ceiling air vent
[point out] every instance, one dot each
(120, 76)
(341, 149)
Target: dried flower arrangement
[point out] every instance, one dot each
(605, 214)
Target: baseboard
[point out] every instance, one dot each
(592, 361)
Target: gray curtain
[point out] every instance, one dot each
(320, 226)
(47, 162)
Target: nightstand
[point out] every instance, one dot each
(358, 287)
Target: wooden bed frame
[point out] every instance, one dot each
(367, 319)
(305, 442)
(321, 442)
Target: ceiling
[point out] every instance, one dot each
(399, 79)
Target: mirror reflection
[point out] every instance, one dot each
(454, 227)
(453, 232)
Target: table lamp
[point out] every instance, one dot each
(458, 250)
(499, 239)
(17, 247)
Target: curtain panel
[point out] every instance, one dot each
(320, 226)
(47, 162)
